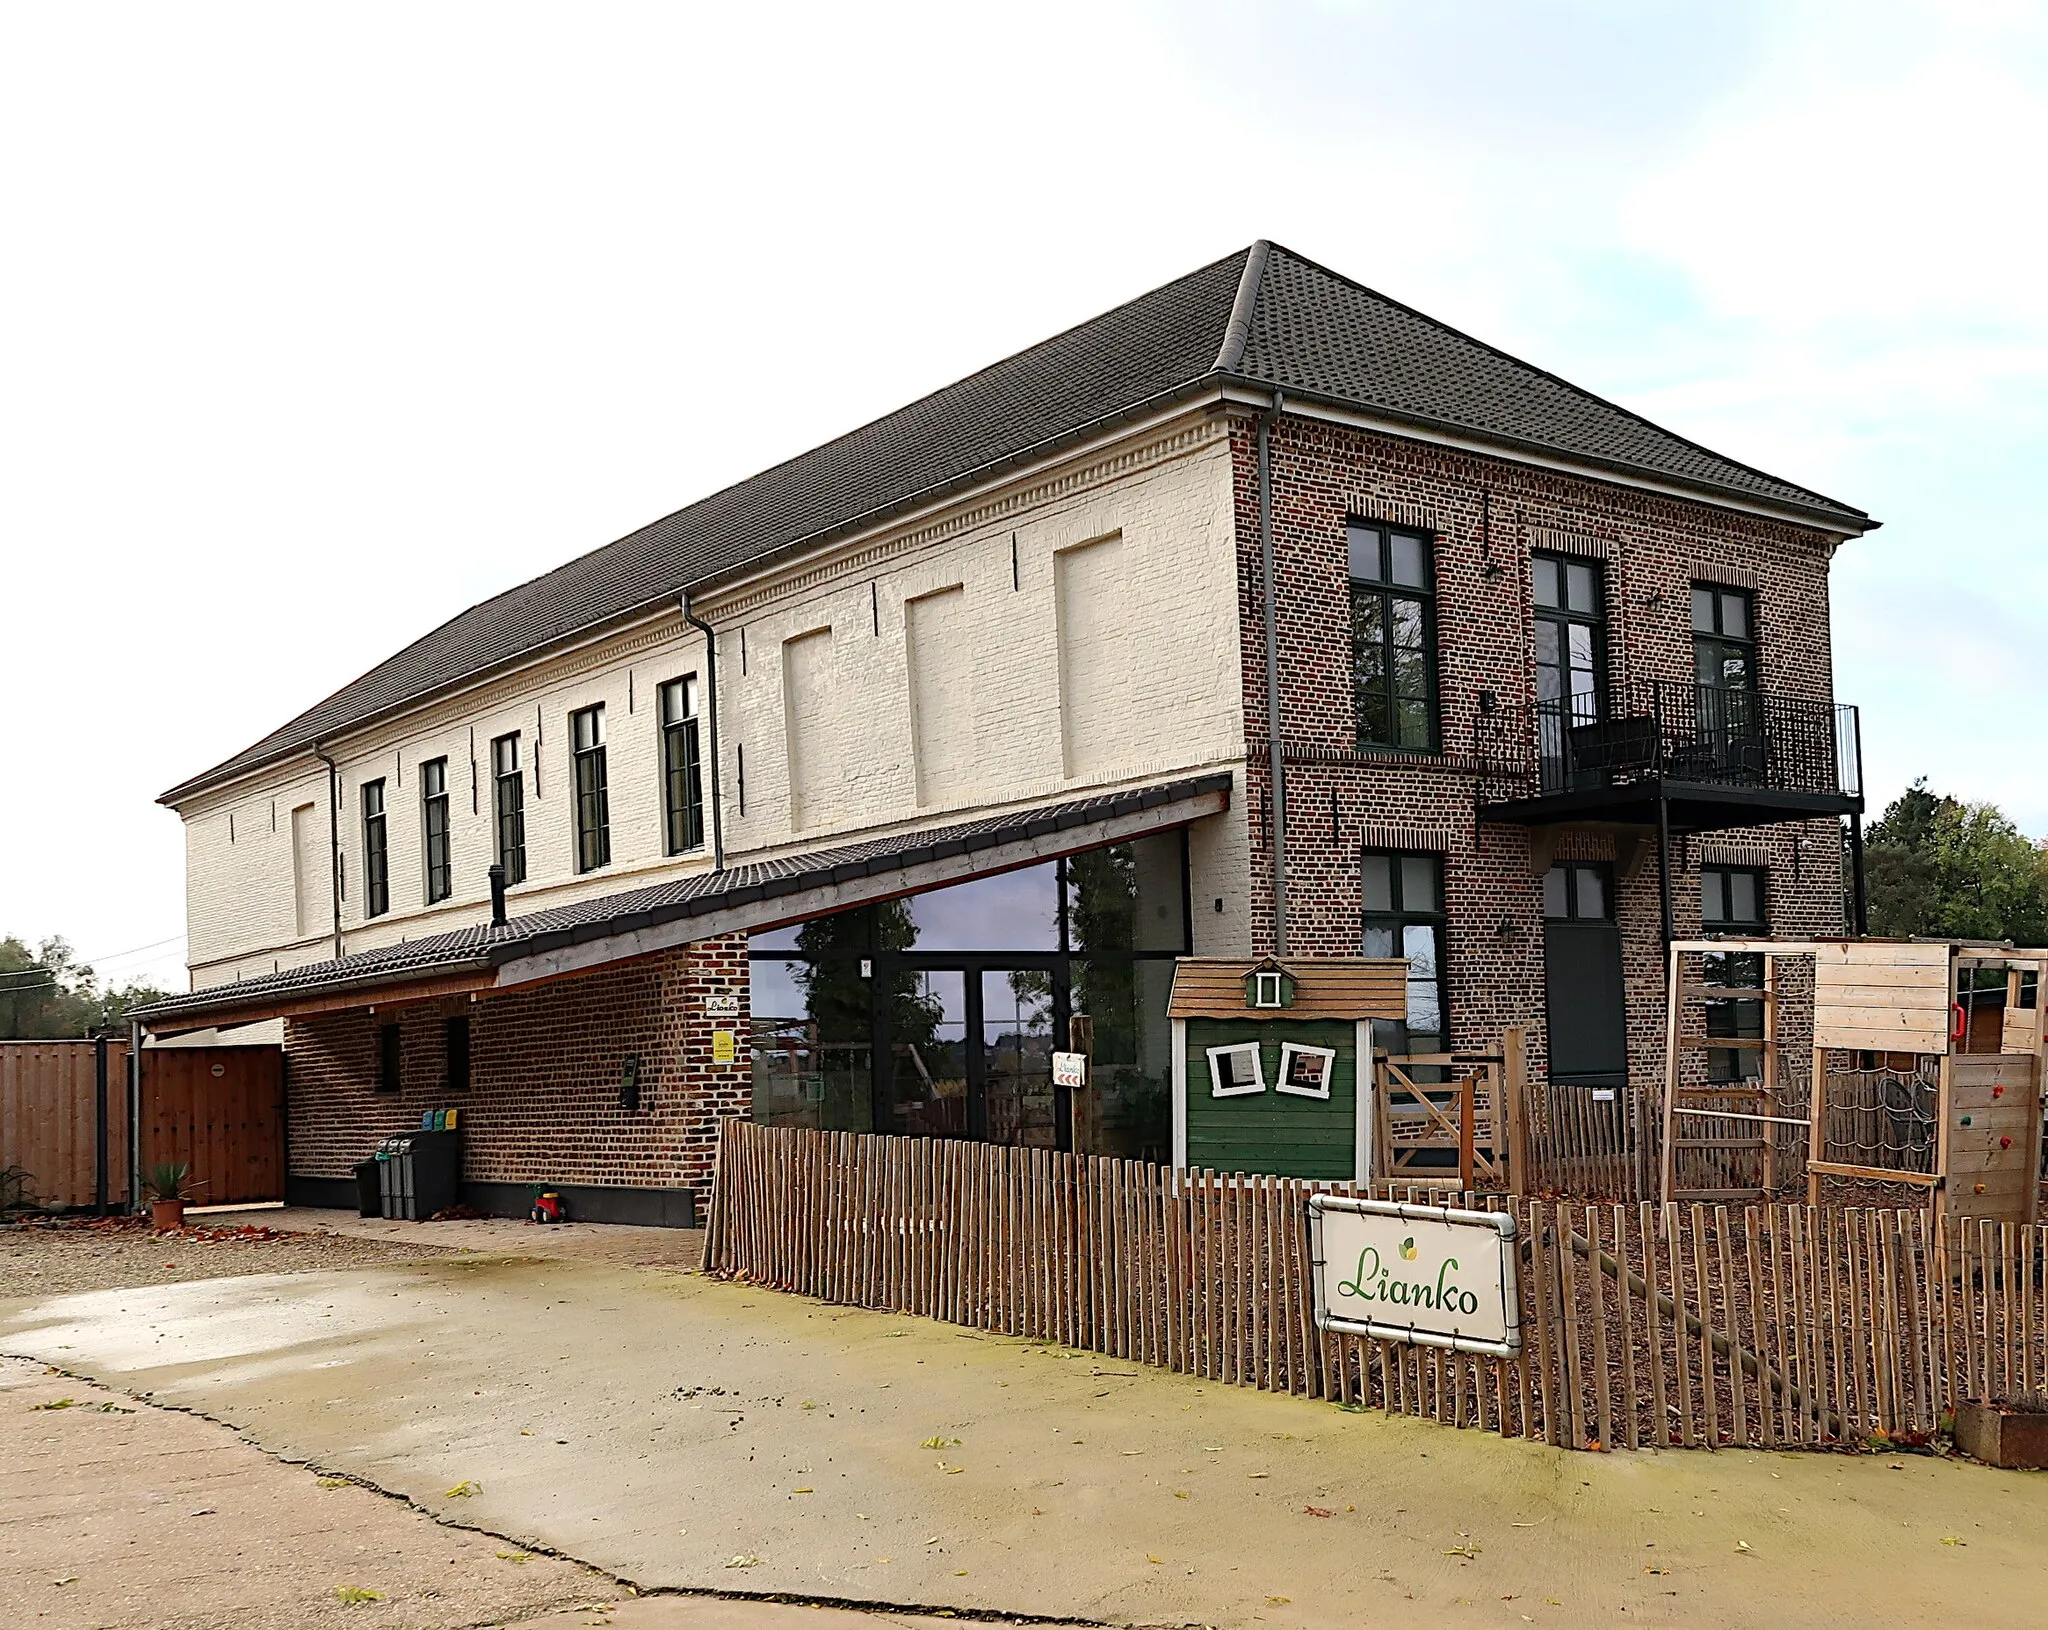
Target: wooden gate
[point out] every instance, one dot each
(220, 1110)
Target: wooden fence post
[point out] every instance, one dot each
(1515, 1088)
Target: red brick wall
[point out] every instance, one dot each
(1483, 512)
(546, 1065)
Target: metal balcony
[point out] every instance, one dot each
(1697, 757)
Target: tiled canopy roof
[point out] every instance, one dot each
(483, 946)
(1264, 316)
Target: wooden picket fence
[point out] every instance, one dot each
(1680, 1326)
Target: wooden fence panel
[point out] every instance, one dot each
(48, 1120)
(220, 1110)
(1644, 1326)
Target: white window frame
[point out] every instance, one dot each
(1258, 1083)
(1289, 1051)
(1260, 988)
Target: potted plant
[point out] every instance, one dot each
(165, 1185)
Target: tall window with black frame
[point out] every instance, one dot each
(1732, 902)
(1403, 898)
(434, 829)
(508, 807)
(1393, 636)
(593, 800)
(1727, 717)
(1571, 662)
(682, 765)
(376, 852)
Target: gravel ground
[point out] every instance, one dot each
(114, 1253)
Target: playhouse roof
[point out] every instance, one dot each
(1347, 988)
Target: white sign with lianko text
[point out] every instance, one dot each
(1426, 1274)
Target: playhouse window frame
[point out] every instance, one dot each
(1216, 1076)
(1291, 1050)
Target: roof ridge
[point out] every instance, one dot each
(1237, 332)
(1558, 379)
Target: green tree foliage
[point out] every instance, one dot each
(47, 995)
(1938, 866)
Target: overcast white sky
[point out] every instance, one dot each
(324, 322)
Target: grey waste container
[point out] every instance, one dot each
(419, 1173)
(369, 1188)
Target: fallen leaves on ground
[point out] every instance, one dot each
(57, 1403)
(745, 1561)
(351, 1595)
(464, 1489)
(940, 1443)
(1315, 1511)
(1468, 1552)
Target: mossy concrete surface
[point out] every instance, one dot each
(683, 1433)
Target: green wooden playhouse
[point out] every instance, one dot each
(1272, 1062)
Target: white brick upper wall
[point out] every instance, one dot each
(1074, 628)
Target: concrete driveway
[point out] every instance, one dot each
(684, 1434)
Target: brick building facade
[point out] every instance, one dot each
(1012, 629)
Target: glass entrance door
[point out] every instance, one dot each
(1013, 1057)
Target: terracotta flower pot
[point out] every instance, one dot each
(167, 1216)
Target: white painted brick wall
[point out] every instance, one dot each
(1178, 659)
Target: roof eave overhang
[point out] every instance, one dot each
(951, 857)
(1254, 395)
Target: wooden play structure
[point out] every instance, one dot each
(1272, 1062)
(1873, 1084)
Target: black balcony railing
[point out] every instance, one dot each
(1674, 731)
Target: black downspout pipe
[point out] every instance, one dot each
(99, 1124)
(333, 841)
(1273, 740)
(1859, 897)
(1664, 860)
(711, 706)
(497, 877)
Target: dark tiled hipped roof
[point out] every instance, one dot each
(484, 946)
(1264, 316)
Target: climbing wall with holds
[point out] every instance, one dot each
(1990, 1137)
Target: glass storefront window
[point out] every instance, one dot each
(1127, 897)
(937, 1015)
(1120, 1022)
(1012, 911)
(812, 1046)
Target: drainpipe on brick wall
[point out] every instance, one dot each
(711, 707)
(333, 841)
(1277, 758)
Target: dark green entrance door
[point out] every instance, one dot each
(1588, 1017)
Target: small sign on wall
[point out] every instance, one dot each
(723, 1047)
(722, 1007)
(1423, 1274)
(1070, 1070)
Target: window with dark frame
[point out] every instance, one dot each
(434, 829)
(682, 766)
(1393, 636)
(1571, 639)
(376, 852)
(508, 807)
(1723, 639)
(389, 1057)
(1403, 915)
(1732, 901)
(593, 802)
(1578, 891)
(455, 1042)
